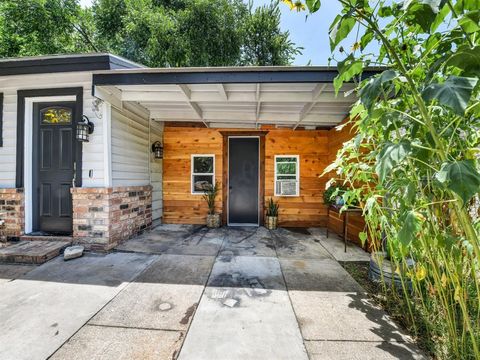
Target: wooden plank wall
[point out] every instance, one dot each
(356, 222)
(307, 209)
(180, 142)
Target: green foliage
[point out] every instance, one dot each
(461, 177)
(455, 92)
(264, 43)
(209, 196)
(332, 192)
(414, 165)
(272, 208)
(152, 32)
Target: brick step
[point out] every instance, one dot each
(46, 238)
(32, 252)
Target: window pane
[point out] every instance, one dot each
(286, 159)
(56, 115)
(202, 182)
(287, 168)
(203, 164)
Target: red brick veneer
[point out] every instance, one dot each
(103, 217)
(12, 212)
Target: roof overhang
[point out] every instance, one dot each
(233, 96)
(64, 63)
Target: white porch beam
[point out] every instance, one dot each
(188, 94)
(110, 94)
(259, 103)
(222, 92)
(317, 91)
(203, 96)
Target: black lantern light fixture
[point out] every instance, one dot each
(157, 149)
(84, 128)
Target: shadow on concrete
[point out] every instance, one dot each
(394, 339)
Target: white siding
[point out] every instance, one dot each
(130, 147)
(156, 169)
(92, 151)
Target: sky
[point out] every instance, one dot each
(311, 33)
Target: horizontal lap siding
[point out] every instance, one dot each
(92, 151)
(130, 148)
(180, 206)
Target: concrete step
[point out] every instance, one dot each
(32, 252)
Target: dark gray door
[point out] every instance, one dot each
(243, 180)
(53, 166)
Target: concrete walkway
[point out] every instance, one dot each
(191, 293)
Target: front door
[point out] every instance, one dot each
(243, 180)
(53, 166)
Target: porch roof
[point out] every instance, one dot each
(232, 96)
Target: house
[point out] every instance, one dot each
(100, 148)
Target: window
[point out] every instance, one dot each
(287, 175)
(56, 115)
(203, 173)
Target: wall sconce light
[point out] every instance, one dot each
(157, 149)
(84, 128)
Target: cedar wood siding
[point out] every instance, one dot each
(180, 142)
(356, 223)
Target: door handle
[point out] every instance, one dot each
(229, 188)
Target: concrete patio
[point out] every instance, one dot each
(191, 293)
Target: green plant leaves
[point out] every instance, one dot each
(455, 92)
(375, 87)
(461, 177)
(423, 12)
(340, 28)
(411, 225)
(390, 156)
(466, 59)
(313, 5)
(347, 69)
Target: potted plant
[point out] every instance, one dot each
(333, 196)
(272, 215)
(213, 219)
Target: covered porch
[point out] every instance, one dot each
(292, 111)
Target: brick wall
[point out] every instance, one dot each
(103, 217)
(12, 213)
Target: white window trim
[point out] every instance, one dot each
(192, 173)
(297, 176)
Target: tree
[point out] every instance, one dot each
(414, 164)
(152, 32)
(264, 42)
(34, 27)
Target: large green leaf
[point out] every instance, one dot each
(347, 69)
(466, 59)
(390, 156)
(470, 22)
(374, 88)
(313, 5)
(411, 225)
(455, 92)
(422, 12)
(340, 28)
(461, 177)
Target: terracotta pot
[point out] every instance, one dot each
(213, 221)
(271, 222)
